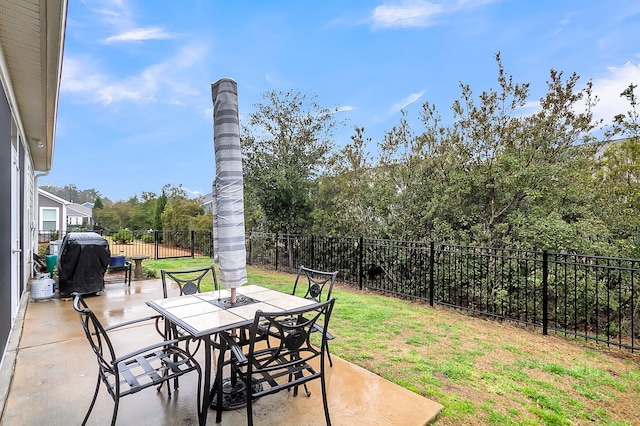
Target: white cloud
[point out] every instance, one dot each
(418, 13)
(166, 81)
(193, 192)
(411, 13)
(344, 108)
(140, 34)
(609, 88)
(274, 81)
(114, 13)
(402, 104)
(530, 108)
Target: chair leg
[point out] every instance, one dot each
(248, 390)
(329, 356)
(116, 404)
(93, 401)
(324, 400)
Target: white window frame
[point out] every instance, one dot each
(41, 216)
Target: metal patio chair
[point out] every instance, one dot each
(125, 374)
(316, 283)
(286, 362)
(189, 281)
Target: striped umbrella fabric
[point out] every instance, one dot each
(228, 194)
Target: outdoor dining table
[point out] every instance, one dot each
(203, 315)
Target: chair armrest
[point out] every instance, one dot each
(135, 321)
(320, 329)
(233, 346)
(162, 344)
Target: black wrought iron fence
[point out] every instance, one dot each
(155, 244)
(590, 297)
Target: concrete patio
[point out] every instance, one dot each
(50, 372)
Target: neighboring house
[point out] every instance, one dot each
(604, 146)
(78, 215)
(88, 205)
(31, 45)
(53, 212)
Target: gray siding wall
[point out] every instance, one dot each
(5, 222)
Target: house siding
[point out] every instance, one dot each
(5, 221)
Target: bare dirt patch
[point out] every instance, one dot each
(149, 249)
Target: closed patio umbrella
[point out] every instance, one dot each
(228, 223)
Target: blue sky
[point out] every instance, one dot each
(135, 109)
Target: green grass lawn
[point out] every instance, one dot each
(483, 372)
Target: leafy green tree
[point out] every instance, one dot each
(179, 213)
(73, 194)
(116, 217)
(343, 196)
(97, 204)
(491, 172)
(161, 204)
(143, 212)
(254, 219)
(619, 177)
(285, 145)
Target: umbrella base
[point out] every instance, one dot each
(233, 396)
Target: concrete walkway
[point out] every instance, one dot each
(52, 374)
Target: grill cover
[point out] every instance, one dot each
(82, 263)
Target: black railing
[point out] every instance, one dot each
(155, 244)
(590, 297)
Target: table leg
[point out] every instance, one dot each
(206, 393)
(218, 381)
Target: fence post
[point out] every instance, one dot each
(156, 238)
(360, 256)
(313, 252)
(277, 251)
(193, 243)
(250, 248)
(545, 292)
(432, 252)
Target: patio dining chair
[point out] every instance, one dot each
(316, 283)
(286, 362)
(126, 374)
(189, 281)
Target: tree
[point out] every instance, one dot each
(97, 204)
(116, 217)
(619, 176)
(142, 217)
(343, 196)
(285, 145)
(180, 213)
(73, 194)
(161, 204)
(493, 172)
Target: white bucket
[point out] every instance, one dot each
(42, 288)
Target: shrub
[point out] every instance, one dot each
(123, 236)
(147, 238)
